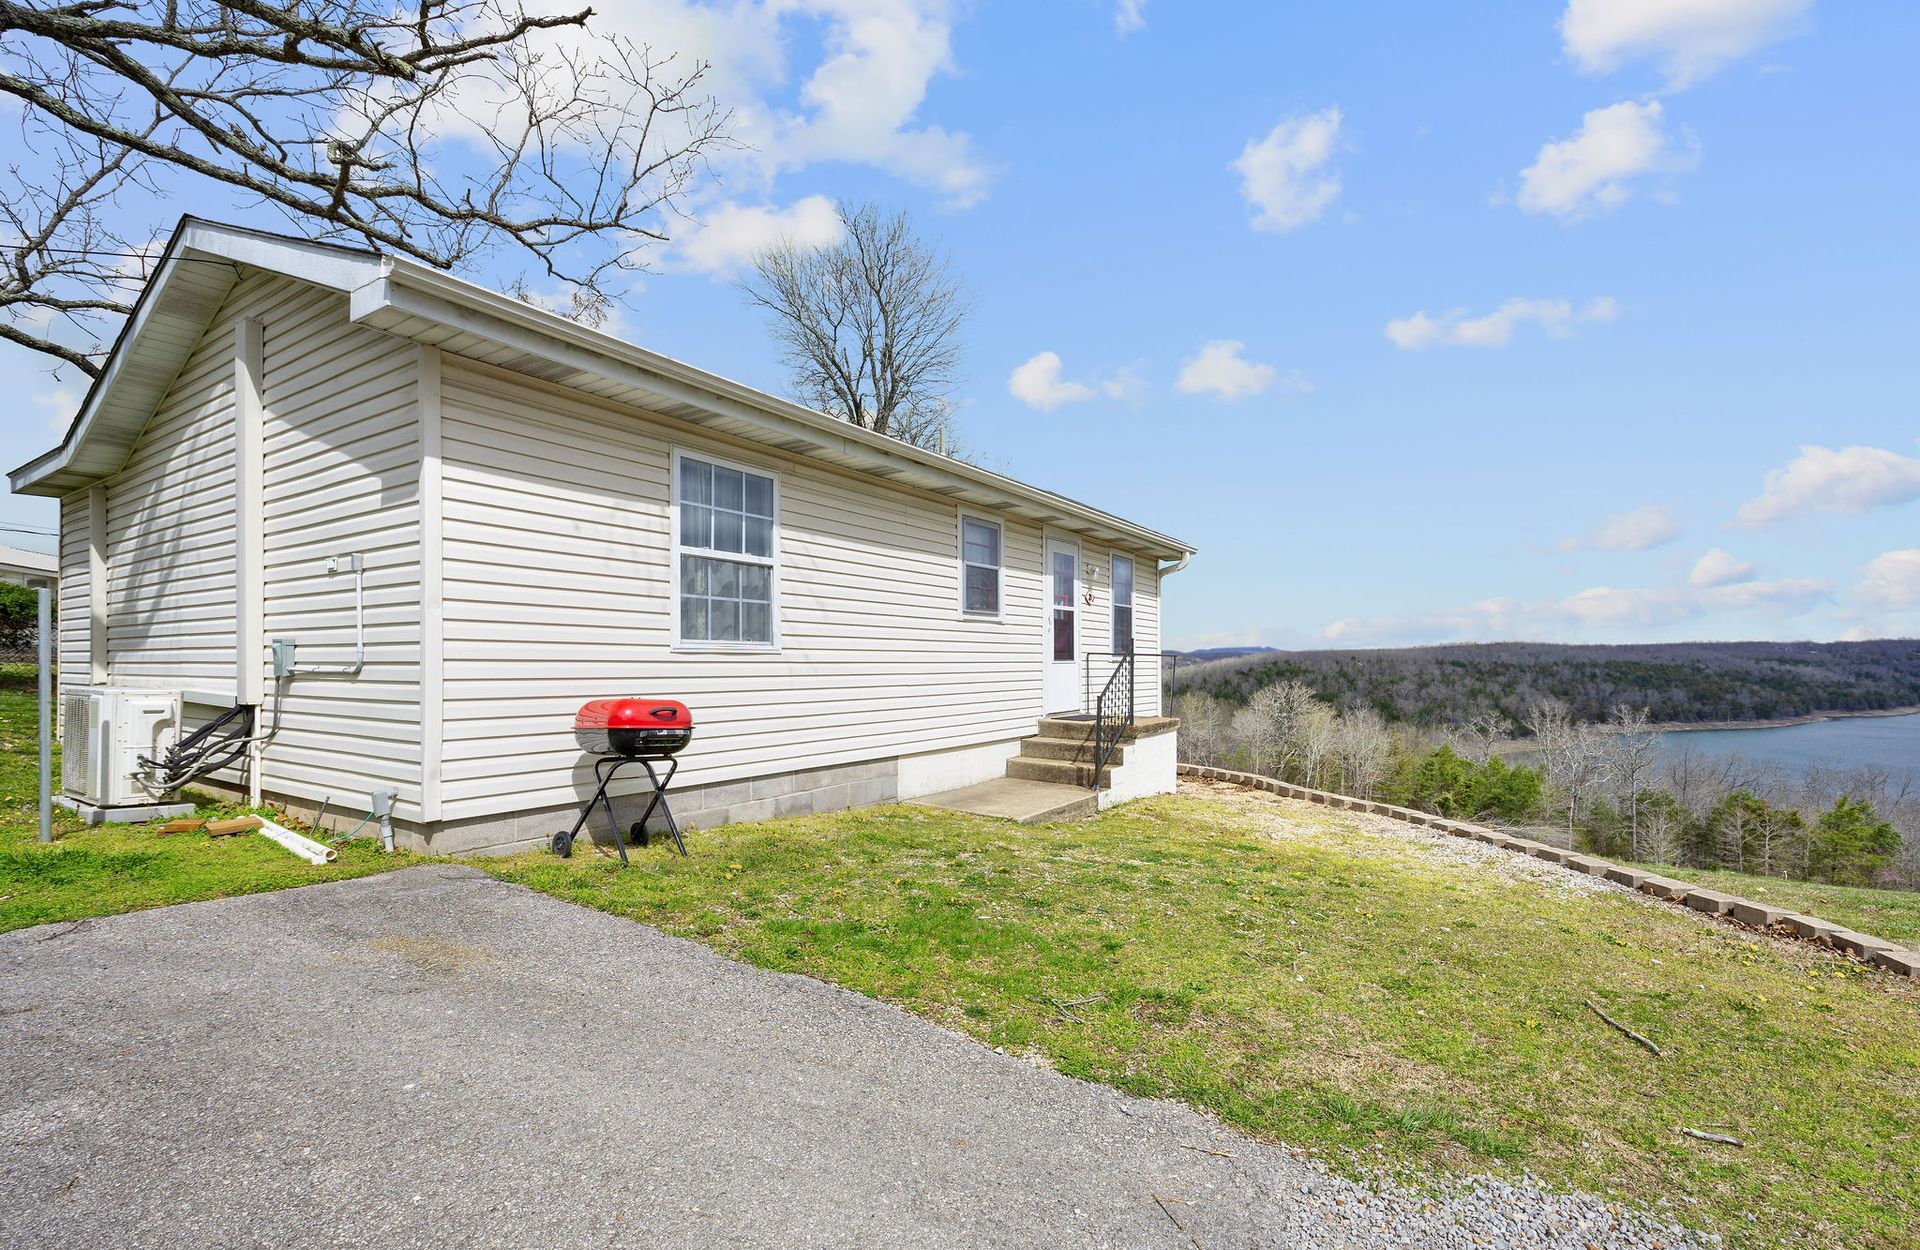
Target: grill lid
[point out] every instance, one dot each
(634, 713)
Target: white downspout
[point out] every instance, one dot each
(97, 573)
(249, 443)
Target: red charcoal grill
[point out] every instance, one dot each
(629, 731)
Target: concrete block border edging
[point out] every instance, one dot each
(1879, 952)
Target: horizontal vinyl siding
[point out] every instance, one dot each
(557, 589)
(170, 534)
(73, 631)
(342, 476)
(1146, 635)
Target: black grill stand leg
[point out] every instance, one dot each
(604, 769)
(659, 800)
(600, 796)
(607, 800)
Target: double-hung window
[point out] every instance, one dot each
(726, 569)
(981, 566)
(1122, 605)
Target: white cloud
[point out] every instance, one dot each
(813, 81)
(1892, 580)
(1580, 614)
(1574, 178)
(1038, 384)
(729, 235)
(60, 405)
(1718, 568)
(1126, 384)
(863, 99)
(1846, 482)
(1129, 16)
(1557, 317)
(1688, 39)
(1640, 530)
(1283, 176)
(1219, 368)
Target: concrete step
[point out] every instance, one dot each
(1075, 750)
(1011, 798)
(1080, 728)
(1058, 772)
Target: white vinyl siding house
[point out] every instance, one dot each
(871, 662)
(543, 515)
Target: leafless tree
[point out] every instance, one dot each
(1319, 735)
(1273, 721)
(1476, 739)
(1573, 753)
(1632, 747)
(438, 130)
(1205, 733)
(1658, 840)
(1365, 749)
(870, 326)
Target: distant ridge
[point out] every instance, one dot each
(1215, 653)
(1679, 683)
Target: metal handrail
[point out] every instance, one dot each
(1112, 715)
(1091, 681)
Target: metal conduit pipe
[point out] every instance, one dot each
(358, 567)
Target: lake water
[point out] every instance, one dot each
(1890, 742)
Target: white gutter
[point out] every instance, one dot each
(411, 290)
(383, 290)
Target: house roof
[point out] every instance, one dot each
(38, 563)
(203, 260)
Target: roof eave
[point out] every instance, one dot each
(409, 291)
(189, 282)
(388, 292)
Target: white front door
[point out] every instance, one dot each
(1063, 627)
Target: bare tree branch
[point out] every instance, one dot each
(869, 326)
(441, 130)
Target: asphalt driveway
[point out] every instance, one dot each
(435, 1058)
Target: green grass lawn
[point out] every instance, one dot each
(1317, 979)
(1312, 976)
(1891, 914)
(116, 868)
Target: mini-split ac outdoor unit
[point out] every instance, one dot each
(104, 732)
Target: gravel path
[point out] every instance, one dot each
(433, 1058)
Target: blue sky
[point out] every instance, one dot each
(1422, 322)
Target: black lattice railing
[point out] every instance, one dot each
(1112, 714)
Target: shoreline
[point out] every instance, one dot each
(1526, 746)
(1781, 722)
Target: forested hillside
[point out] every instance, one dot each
(1685, 682)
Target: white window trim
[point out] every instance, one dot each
(960, 565)
(771, 563)
(1114, 560)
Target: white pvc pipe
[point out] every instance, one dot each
(45, 626)
(306, 848)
